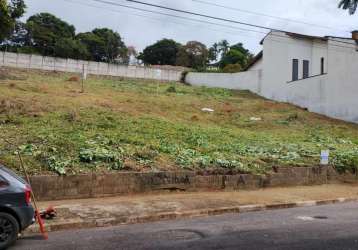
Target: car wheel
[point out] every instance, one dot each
(9, 229)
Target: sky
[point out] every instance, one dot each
(140, 29)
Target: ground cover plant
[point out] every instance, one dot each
(121, 124)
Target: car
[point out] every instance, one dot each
(16, 211)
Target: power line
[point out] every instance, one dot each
(153, 18)
(202, 21)
(203, 15)
(215, 18)
(176, 16)
(265, 15)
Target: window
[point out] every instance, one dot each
(3, 182)
(306, 69)
(294, 69)
(322, 65)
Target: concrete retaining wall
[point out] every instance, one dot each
(249, 80)
(26, 61)
(90, 186)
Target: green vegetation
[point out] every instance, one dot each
(10, 11)
(138, 125)
(351, 5)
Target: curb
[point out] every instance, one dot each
(108, 222)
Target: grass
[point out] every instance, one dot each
(140, 125)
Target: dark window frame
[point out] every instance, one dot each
(295, 69)
(322, 65)
(305, 69)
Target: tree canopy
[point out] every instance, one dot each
(350, 5)
(163, 52)
(9, 13)
(193, 55)
(103, 45)
(45, 30)
(48, 35)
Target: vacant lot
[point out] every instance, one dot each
(137, 125)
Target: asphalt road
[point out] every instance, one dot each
(323, 227)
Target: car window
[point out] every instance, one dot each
(3, 182)
(12, 174)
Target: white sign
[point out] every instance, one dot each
(324, 157)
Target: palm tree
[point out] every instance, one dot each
(224, 46)
(351, 5)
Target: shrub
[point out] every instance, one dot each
(183, 77)
(232, 68)
(171, 89)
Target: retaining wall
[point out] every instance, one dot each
(249, 80)
(95, 185)
(27, 61)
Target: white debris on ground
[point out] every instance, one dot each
(207, 110)
(255, 119)
(305, 218)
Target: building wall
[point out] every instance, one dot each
(96, 68)
(279, 51)
(342, 88)
(334, 94)
(250, 80)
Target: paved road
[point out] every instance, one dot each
(335, 227)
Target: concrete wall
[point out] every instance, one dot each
(96, 68)
(98, 185)
(333, 94)
(250, 80)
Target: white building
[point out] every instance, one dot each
(317, 73)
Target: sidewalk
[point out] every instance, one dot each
(112, 211)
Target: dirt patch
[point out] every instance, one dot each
(6, 74)
(74, 79)
(15, 107)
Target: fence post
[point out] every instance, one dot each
(17, 60)
(30, 59)
(3, 58)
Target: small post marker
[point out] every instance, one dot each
(84, 77)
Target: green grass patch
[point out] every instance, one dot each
(139, 125)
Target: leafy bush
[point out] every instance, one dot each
(171, 89)
(232, 68)
(57, 165)
(347, 160)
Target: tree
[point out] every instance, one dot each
(9, 13)
(103, 45)
(224, 46)
(193, 55)
(131, 57)
(236, 54)
(213, 53)
(351, 5)
(163, 52)
(45, 30)
(232, 68)
(70, 48)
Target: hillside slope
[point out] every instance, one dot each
(136, 125)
